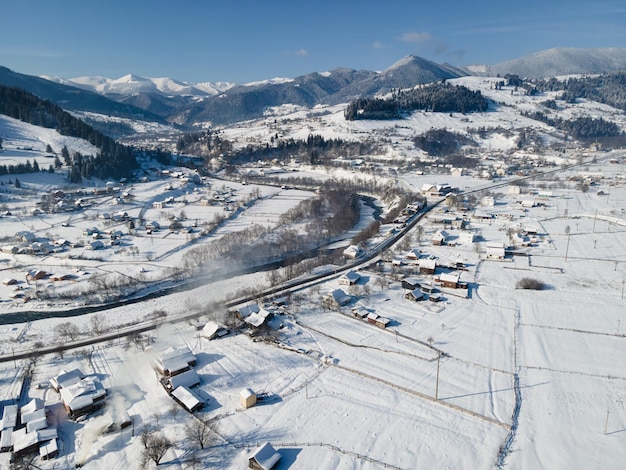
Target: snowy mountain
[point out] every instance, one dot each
(132, 84)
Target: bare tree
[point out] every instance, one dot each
(155, 445)
(200, 432)
(67, 331)
(98, 324)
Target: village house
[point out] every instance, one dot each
(495, 250)
(174, 361)
(264, 458)
(467, 237)
(414, 254)
(350, 278)
(427, 265)
(450, 280)
(414, 295)
(361, 312)
(352, 252)
(337, 298)
(212, 330)
(440, 237)
(380, 322)
(83, 397)
(410, 283)
(65, 379)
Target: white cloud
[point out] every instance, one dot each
(416, 37)
(378, 45)
(301, 53)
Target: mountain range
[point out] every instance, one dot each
(186, 104)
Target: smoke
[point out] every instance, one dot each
(114, 418)
(92, 430)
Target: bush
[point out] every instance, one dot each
(532, 284)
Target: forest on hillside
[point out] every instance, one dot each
(435, 97)
(114, 160)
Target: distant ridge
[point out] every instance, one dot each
(562, 61)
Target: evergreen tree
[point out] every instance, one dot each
(17, 183)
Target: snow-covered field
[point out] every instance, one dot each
(491, 377)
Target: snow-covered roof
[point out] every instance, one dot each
(450, 277)
(9, 417)
(66, 378)
(83, 393)
(176, 359)
(265, 456)
(187, 379)
(246, 392)
(29, 408)
(189, 399)
(248, 310)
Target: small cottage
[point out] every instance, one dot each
(350, 278)
(264, 458)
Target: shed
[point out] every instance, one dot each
(264, 458)
(247, 398)
(6, 440)
(189, 400)
(9, 417)
(188, 379)
(48, 450)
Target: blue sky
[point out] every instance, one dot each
(243, 41)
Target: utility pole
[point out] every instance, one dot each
(606, 423)
(567, 247)
(437, 382)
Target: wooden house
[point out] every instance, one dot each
(414, 295)
(410, 283)
(264, 458)
(439, 238)
(380, 322)
(450, 280)
(350, 278)
(337, 298)
(174, 361)
(427, 265)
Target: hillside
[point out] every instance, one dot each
(73, 98)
